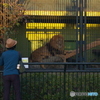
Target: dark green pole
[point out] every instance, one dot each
(64, 82)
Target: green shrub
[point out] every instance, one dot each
(56, 86)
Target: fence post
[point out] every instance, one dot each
(64, 82)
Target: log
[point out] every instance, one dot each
(88, 46)
(67, 55)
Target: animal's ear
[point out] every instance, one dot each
(55, 37)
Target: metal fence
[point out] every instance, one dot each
(44, 84)
(79, 26)
(77, 20)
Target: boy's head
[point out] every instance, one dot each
(10, 43)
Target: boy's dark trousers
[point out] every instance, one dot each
(13, 80)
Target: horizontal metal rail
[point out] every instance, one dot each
(62, 19)
(63, 63)
(64, 69)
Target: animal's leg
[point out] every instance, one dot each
(63, 57)
(42, 66)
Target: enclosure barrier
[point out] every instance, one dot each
(57, 84)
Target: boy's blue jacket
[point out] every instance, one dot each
(9, 60)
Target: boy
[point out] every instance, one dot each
(9, 60)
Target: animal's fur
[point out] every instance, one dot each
(55, 47)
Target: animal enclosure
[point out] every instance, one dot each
(76, 20)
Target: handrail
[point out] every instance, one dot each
(64, 69)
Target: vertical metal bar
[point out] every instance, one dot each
(60, 85)
(21, 82)
(85, 32)
(52, 82)
(98, 81)
(68, 77)
(65, 82)
(80, 77)
(43, 81)
(81, 32)
(47, 86)
(30, 86)
(1, 87)
(85, 82)
(85, 21)
(56, 83)
(26, 83)
(94, 75)
(77, 22)
(34, 84)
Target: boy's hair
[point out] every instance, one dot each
(12, 48)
